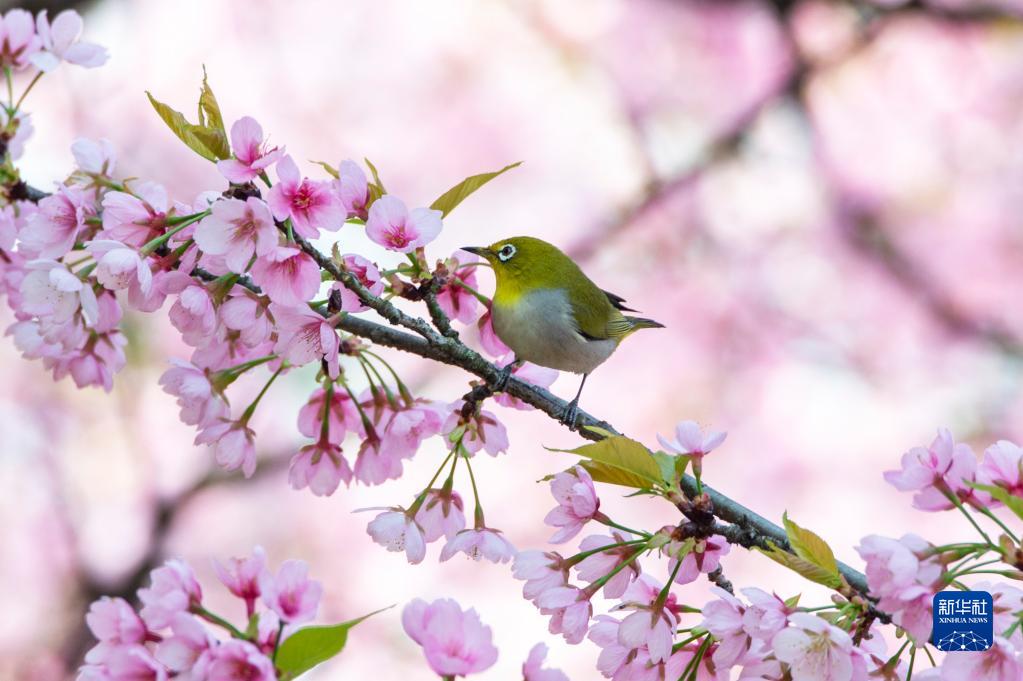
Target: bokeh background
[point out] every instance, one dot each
(821, 201)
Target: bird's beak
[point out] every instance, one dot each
(476, 250)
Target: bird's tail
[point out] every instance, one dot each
(637, 323)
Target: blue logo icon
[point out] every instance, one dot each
(963, 621)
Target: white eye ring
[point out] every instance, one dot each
(506, 253)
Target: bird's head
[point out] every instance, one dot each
(520, 262)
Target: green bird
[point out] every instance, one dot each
(550, 313)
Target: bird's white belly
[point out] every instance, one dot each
(541, 329)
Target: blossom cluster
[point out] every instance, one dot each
(171, 634)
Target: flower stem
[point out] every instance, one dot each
(954, 498)
(17, 105)
(618, 568)
(480, 523)
(153, 244)
(251, 409)
(603, 519)
(219, 621)
(998, 521)
(580, 557)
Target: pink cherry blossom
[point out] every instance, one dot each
(237, 230)
(570, 611)
(136, 218)
(723, 617)
(319, 466)
(49, 290)
(483, 431)
(53, 230)
(814, 649)
(765, 615)
(342, 415)
(200, 404)
(530, 373)
(541, 571)
(454, 641)
(291, 594)
(391, 225)
(8, 229)
(126, 663)
(233, 446)
(193, 313)
(304, 336)
(936, 472)
(241, 576)
(119, 267)
(246, 315)
(287, 275)
(999, 663)
(236, 660)
(598, 565)
(1002, 466)
(311, 205)
(532, 669)
(651, 624)
(60, 43)
(577, 503)
(96, 157)
(396, 531)
(441, 514)
(1007, 603)
(904, 577)
(187, 648)
(114, 623)
(457, 302)
(367, 274)
(705, 557)
(690, 440)
(406, 429)
(353, 188)
(478, 544)
(173, 589)
(19, 42)
(251, 156)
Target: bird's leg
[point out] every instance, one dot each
(571, 413)
(502, 380)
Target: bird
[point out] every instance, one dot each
(548, 312)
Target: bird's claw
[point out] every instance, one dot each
(570, 415)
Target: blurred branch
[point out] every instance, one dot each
(164, 516)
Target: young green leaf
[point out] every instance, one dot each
(208, 143)
(454, 196)
(602, 472)
(310, 646)
(209, 111)
(803, 567)
(1013, 503)
(810, 547)
(331, 170)
(625, 456)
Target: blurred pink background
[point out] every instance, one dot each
(821, 203)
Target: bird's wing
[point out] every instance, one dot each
(618, 302)
(596, 315)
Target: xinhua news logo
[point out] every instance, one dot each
(963, 621)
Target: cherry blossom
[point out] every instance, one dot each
(532, 668)
(1002, 466)
(690, 441)
(138, 217)
(814, 649)
(596, 566)
(291, 594)
(237, 230)
(705, 557)
(454, 641)
(96, 157)
(652, 622)
(457, 301)
(533, 374)
(241, 576)
(287, 275)
(353, 189)
(935, 473)
(541, 571)
(441, 514)
(114, 623)
(321, 467)
(235, 660)
(577, 503)
(50, 290)
(479, 543)
(53, 230)
(311, 205)
(173, 589)
(394, 227)
(304, 336)
(396, 531)
(342, 415)
(251, 156)
(233, 446)
(199, 402)
(188, 648)
(119, 267)
(19, 42)
(60, 43)
(366, 273)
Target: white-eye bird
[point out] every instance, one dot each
(550, 313)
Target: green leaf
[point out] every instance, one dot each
(810, 547)
(209, 112)
(454, 196)
(376, 187)
(602, 472)
(310, 646)
(331, 170)
(1013, 503)
(793, 601)
(208, 138)
(803, 567)
(630, 463)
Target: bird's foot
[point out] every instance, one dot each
(502, 379)
(570, 415)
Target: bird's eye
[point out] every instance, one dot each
(506, 253)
